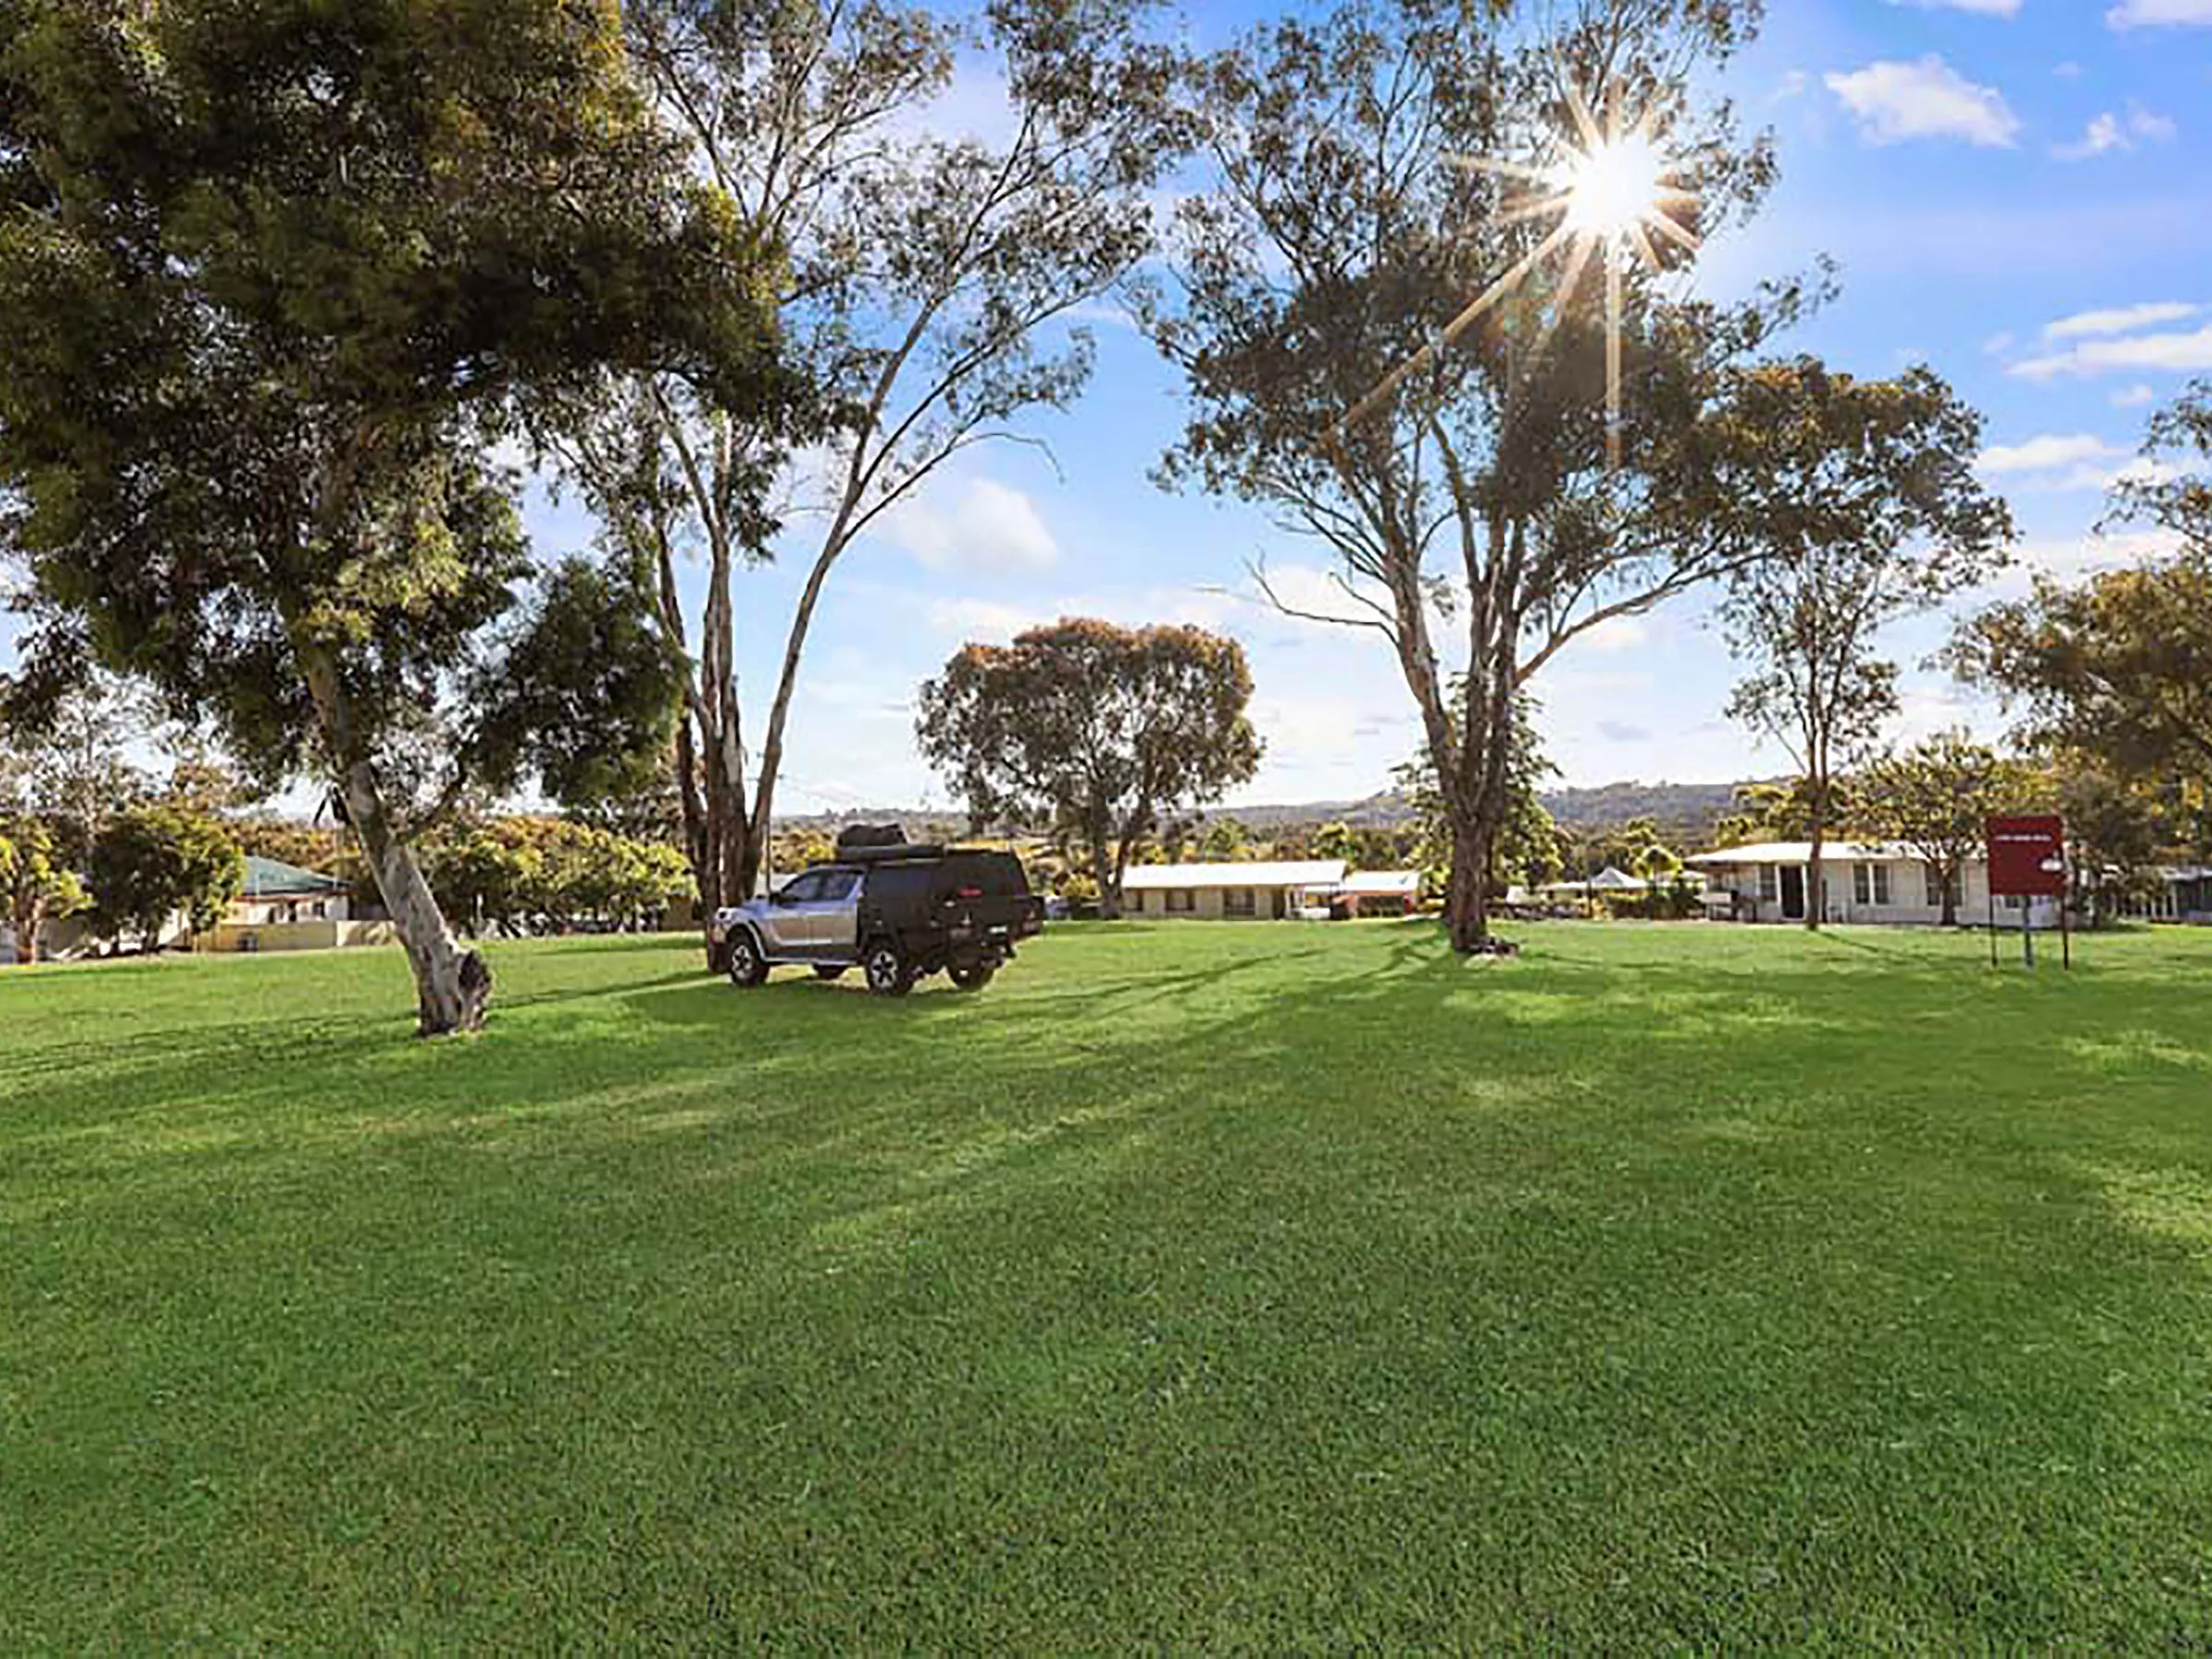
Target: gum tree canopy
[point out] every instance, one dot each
(1093, 728)
(277, 278)
(1455, 468)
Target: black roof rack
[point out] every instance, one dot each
(849, 855)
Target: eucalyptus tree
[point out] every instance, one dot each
(1937, 798)
(1479, 407)
(929, 296)
(1863, 494)
(2120, 665)
(1099, 728)
(279, 281)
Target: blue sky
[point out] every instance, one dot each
(2020, 192)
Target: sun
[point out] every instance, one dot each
(1612, 192)
(1616, 189)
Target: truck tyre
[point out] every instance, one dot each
(748, 966)
(971, 976)
(889, 974)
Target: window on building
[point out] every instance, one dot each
(1870, 883)
(1181, 900)
(1937, 884)
(1237, 901)
(2015, 901)
(1769, 884)
(1135, 901)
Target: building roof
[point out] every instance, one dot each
(1797, 852)
(1302, 873)
(1608, 880)
(1382, 883)
(273, 878)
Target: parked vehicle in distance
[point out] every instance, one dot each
(897, 910)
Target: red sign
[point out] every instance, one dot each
(2027, 856)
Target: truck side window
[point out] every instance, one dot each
(837, 885)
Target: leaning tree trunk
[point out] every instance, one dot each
(452, 987)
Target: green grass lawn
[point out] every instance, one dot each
(1195, 1286)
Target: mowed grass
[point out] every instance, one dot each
(1269, 1287)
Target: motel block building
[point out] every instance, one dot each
(1885, 882)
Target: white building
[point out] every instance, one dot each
(1380, 893)
(1231, 891)
(1885, 882)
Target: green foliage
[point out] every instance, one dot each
(1100, 728)
(1781, 810)
(65, 757)
(279, 278)
(1865, 494)
(1462, 467)
(932, 305)
(523, 874)
(2119, 667)
(1226, 842)
(2175, 493)
(2115, 832)
(1935, 798)
(585, 698)
(36, 885)
(1524, 848)
(155, 863)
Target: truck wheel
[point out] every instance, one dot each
(829, 970)
(971, 976)
(888, 974)
(748, 966)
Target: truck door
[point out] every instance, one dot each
(833, 915)
(789, 919)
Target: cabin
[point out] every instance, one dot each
(1233, 892)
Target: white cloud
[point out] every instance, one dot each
(2071, 559)
(986, 620)
(2122, 319)
(1927, 99)
(987, 527)
(1998, 345)
(2151, 127)
(2134, 397)
(2069, 70)
(2042, 454)
(2149, 14)
(1982, 9)
(2109, 132)
(1618, 634)
(2101, 134)
(2182, 353)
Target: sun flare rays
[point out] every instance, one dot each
(1609, 189)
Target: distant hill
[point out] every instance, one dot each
(1692, 807)
(1686, 811)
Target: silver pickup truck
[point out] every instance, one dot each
(896, 912)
